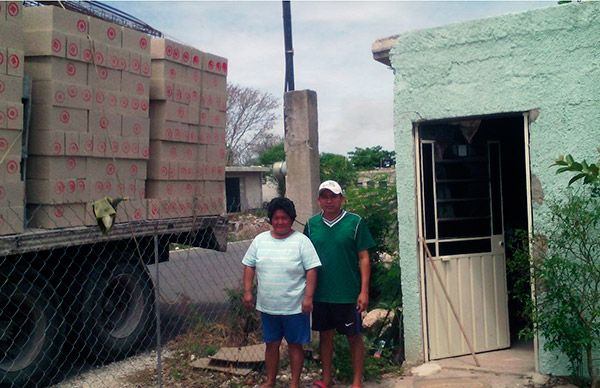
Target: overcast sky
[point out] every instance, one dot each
(332, 51)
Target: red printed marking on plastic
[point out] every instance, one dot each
(12, 113)
(71, 69)
(59, 212)
(103, 123)
(86, 95)
(99, 58)
(56, 45)
(111, 33)
(14, 61)
(13, 9)
(72, 91)
(73, 50)
(99, 97)
(110, 169)
(12, 167)
(59, 97)
(81, 25)
(60, 187)
(65, 117)
(57, 147)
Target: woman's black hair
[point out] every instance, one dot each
(281, 203)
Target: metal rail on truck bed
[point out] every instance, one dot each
(43, 239)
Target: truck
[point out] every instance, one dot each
(79, 288)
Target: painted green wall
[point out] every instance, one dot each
(546, 59)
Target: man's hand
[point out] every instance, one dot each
(248, 300)
(362, 303)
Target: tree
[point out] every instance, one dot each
(337, 168)
(275, 153)
(589, 172)
(251, 114)
(566, 269)
(371, 157)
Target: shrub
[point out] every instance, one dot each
(566, 271)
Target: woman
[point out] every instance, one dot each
(284, 262)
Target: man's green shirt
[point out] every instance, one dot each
(338, 243)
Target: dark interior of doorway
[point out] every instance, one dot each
(508, 130)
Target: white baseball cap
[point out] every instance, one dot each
(332, 186)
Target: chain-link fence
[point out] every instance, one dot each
(155, 302)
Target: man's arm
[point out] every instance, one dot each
(364, 265)
(248, 298)
(309, 291)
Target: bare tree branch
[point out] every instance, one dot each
(251, 114)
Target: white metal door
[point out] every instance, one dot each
(462, 225)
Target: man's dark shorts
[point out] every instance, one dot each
(345, 318)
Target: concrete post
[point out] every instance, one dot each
(302, 152)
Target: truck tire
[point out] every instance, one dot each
(31, 328)
(117, 310)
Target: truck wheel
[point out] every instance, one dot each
(117, 311)
(31, 328)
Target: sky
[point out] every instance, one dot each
(332, 51)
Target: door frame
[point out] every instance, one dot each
(528, 117)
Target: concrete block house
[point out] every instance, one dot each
(481, 111)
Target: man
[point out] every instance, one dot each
(342, 240)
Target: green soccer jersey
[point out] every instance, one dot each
(338, 242)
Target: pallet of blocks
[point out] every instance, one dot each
(12, 187)
(89, 132)
(186, 171)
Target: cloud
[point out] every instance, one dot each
(332, 51)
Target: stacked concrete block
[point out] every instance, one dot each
(89, 135)
(12, 188)
(213, 105)
(179, 170)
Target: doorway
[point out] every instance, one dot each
(473, 200)
(233, 195)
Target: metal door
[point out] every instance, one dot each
(461, 208)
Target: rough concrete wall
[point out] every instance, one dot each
(546, 59)
(302, 152)
(254, 191)
(251, 192)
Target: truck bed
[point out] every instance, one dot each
(43, 239)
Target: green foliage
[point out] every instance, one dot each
(241, 320)
(378, 207)
(385, 283)
(271, 155)
(566, 268)
(337, 168)
(371, 157)
(589, 172)
(518, 270)
(373, 367)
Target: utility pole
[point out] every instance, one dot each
(289, 50)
